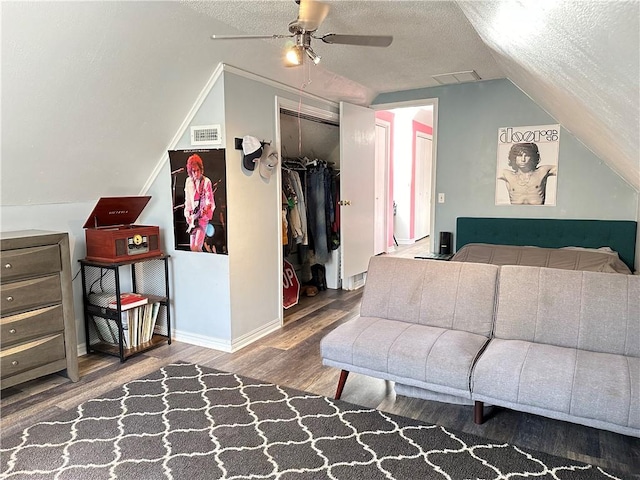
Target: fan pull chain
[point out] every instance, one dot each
(305, 84)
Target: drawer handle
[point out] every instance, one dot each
(13, 330)
(7, 266)
(14, 363)
(9, 298)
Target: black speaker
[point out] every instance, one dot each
(446, 238)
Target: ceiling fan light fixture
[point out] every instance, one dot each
(311, 14)
(293, 55)
(313, 56)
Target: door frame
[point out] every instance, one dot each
(424, 102)
(418, 184)
(383, 165)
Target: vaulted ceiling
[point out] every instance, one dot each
(97, 90)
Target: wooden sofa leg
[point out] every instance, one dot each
(478, 413)
(343, 378)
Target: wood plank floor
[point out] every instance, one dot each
(291, 357)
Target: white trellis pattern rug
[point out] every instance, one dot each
(191, 422)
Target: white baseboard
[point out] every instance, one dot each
(224, 344)
(251, 337)
(214, 343)
(355, 282)
(406, 241)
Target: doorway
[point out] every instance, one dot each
(309, 142)
(349, 160)
(383, 206)
(296, 129)
(412, 168)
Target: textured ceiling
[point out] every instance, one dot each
(97, 90)
(580, 62)
(429, 38)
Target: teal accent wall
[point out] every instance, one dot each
(469, 116)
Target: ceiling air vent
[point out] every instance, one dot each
(457, 77)
(206, 135)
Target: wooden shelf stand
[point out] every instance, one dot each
(147, 276)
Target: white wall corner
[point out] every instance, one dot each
(256, 334)
(214, 343)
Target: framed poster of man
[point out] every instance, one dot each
(527, 165)
(199, 197)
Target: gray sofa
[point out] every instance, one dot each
(559, 343)
(422, 325)
(566, 345)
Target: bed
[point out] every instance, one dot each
(593, 245)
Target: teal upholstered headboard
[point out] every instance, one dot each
(620, 235)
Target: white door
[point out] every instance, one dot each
(422, 220)
(381, 193)
(357, 187)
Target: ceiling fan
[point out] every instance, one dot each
(311, 14)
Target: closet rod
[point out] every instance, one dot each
(304, 116)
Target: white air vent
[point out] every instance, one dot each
(206, 135)
(457, 77)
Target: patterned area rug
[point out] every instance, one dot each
(191, 422)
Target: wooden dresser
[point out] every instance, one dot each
(38, 326)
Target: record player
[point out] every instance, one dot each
(112, 237)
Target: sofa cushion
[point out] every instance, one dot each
(451, 295)
(575, 383)
(592, 311)
(418, 355)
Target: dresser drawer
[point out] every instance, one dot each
(28, 294)
(35, 323)
(31, 354)
(37, 320)
(29, 262)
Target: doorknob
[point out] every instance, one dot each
(344, 202)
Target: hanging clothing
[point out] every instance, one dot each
(302, 207)
(293, 204)
(285, 223)
(334, 236)
(328, 203)
(317, 213)
(311, 190)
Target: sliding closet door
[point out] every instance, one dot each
(357, 187)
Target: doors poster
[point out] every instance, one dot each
(199, 198)
(527, 165)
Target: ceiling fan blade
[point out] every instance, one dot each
(361, 40)
(311, 14)
(244, 37)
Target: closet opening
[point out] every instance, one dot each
(310, 191)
